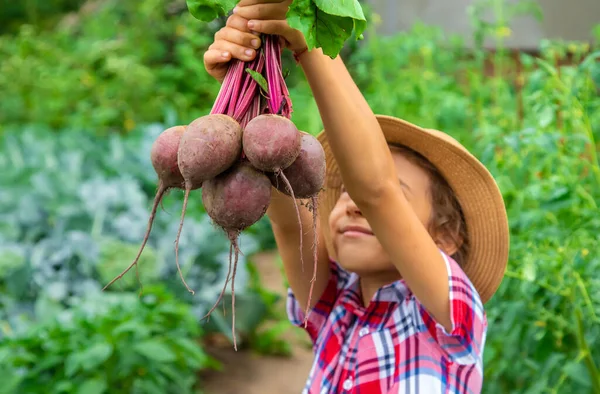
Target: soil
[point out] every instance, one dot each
(245, 371)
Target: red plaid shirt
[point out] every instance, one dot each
(393, 345)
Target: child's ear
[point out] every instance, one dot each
(449, 243)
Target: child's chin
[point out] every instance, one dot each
(359, 262)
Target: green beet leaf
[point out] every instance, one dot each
(208, 10)
(327, 24)
(347, 8)
(259, 79)
(302, 16)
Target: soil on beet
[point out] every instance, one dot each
(249, 373)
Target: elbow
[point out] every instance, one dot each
(373, 193)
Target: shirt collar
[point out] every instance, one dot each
(395, 292)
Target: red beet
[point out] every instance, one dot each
(235, 200)
(238, 198)
(271, 142)
(306, 175)
(211, 145)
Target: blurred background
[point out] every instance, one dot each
(86, 86)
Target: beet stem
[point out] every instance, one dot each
(188, 189)
(282, 106)
(157, 199)
(248, 88)
(228, 88)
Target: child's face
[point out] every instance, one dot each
(359, 251)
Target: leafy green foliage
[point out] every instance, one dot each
(207, 10)
(327, 24)
(41, 13)
(108, 343)
(75, 215)
(110, 67)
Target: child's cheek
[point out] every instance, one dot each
(334, 218)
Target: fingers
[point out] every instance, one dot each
(228, 48)
(243, 3)
(263, 10)
(277, 27)
(238, 37)
(295, 39)
(237, 22)
(235, 40)
(214, 57)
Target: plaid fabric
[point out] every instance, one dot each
(393, 345)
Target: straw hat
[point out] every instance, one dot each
(475, 189)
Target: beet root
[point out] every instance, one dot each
(235, 200)
(306, 175)
(211, 145)
(163, 156)
(271, 142)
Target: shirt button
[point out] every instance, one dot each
(363, 331)
(348, 384)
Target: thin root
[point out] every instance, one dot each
(162, 206)
(234, 242)
(157, 199)
(314, 202)
(185, 201)
(280, 173)
(207, 316)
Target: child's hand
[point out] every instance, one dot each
(234, 41)
(268, 17)
(240, 37)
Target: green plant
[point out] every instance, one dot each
(106, 68)
(75, 211)
(108, 343)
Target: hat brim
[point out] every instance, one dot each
(475, 188)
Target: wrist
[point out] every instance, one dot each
(299, 53)
(314, 61)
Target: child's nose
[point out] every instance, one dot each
(352, 209)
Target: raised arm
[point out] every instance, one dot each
(354, 132)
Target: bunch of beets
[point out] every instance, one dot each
(237, 153)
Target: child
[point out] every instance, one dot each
(413, 236)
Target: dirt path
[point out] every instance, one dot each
(249, 373)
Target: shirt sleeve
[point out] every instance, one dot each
(317, 316)
(464, 343)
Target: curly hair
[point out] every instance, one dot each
(447, 216)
